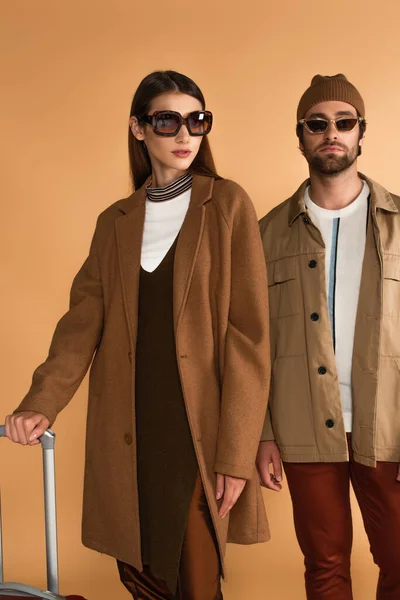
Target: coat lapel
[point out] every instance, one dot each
(129, 232)
(189, 242)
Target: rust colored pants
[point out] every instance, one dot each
(322, 517)
(199, 575)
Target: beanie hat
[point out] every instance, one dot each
(324, 88)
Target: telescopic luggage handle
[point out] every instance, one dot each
(17, 589)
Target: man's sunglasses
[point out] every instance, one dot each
(319, 125)
(169, 122)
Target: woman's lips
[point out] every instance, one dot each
(181, 153)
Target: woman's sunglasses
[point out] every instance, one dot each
(321, 125)
(169, 122)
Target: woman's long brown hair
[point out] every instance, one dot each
(161, 82)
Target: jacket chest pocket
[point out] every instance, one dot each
(283, 287)
(391, 286)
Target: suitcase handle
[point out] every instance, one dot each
(20, 590)
(47, 441)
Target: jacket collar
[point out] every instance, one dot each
(380, 198)
(201, 193)
(297, 205)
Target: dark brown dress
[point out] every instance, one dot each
(167, 464)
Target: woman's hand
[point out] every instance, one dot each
(228, 488)
(26, 427)
(268, 454)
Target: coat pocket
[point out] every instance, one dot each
(283, 287)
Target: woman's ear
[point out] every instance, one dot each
(136, 128)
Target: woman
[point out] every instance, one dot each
(172, 304)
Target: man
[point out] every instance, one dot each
(333, 260)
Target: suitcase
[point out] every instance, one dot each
(15, 591)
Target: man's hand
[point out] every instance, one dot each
(268, 453)
(398, 474)
(26, 427)
(228, 488)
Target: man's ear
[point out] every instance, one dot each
(136, 128)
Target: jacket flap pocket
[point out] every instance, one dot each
(281, 270)
(391, 267)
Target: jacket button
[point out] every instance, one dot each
(329, 423)
(128, 439)
(312, 264)
(130, 356)
(306, 220)
(314, 316)
(322, 370)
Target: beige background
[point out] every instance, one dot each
(69, 70)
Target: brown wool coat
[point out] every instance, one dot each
(305, 411)
(222, 343)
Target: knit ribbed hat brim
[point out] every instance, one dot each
(325, 88)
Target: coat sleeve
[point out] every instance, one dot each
(245, 382)
(74, 341)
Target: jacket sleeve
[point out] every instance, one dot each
(267, 433)
(74, 341)
(245, 382)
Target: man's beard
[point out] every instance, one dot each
(331, 164)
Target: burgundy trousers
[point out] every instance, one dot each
(199, 575)
(323, 523)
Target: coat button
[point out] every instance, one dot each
(329, 423)
(322, 370)
(314, 316)
(128, 439)
(312, 264)
(130, 356)
(306, 220)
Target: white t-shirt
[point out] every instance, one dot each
(163, 221)
(344, 234)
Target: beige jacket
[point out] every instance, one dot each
(222, 342)
(305, 414)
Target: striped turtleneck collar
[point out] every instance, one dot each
(171, 191)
